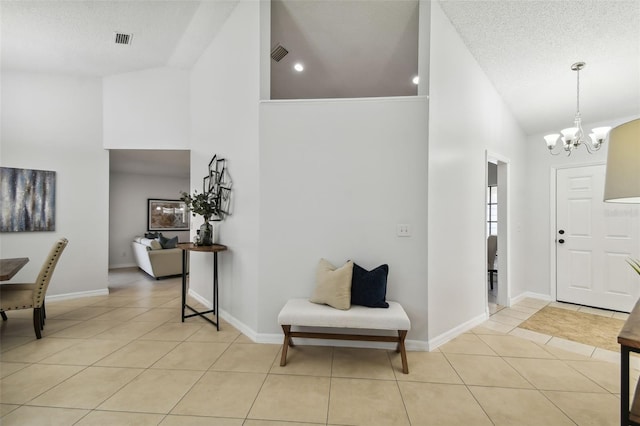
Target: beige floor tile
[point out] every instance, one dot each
(250, 422)
(366, 402)
(512, 346)
(603, 373)
(54, 326)
(305, 361)
(248, 358)
(524, 309)
(533, 303)
(87, 389)
(121, 314)
(221, 394)
(151, 302)
(176, 332)
(108, 418)
(153, 391)
(227, 334)
(362, 363)
(508, 312)
(192, 356)
(84, 313)
(243, 339)
(621, 316)
(24, 385)
(530, 335)
(201, 421)
(85, 329)
(467, 343)
(506, 319)
(112, 301)
(567, 306)
(564, 354)
(138, 354)
(43, 416)
(430, 367)
(8, 343)
(442, 405)
(497, 326)
(568, 345)
(158, 315)
(588, 409)
(37, 350)
(484, 330)
(127, 330)
(292, 398)
(86, 352)
(553, 374)
(17, 326)
(7, 368)
(7, 408)
(522, 407)
(611, 356)
(485, 370)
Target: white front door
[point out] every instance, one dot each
(593, 241)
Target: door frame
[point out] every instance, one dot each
(504, 226)
(553, 207)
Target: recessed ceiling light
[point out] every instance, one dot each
(298, 67)
(416, 80)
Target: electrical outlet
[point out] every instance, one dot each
(402, 230)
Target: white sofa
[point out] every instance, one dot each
(156, 261)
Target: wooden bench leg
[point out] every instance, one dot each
(285, 344)
(402, 334)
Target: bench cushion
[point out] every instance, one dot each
(301, 312)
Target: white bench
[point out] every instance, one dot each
(301, 312)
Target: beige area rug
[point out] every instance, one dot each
(581, 327)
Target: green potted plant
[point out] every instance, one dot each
(206, 205)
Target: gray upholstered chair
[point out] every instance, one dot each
(31, 295)
(492, 249)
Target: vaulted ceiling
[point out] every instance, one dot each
(525, 47)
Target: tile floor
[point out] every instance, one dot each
(127, 359)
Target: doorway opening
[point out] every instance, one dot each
(497, 229)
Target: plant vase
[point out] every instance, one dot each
(206, 233)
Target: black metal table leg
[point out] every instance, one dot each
(184, 281)
(624, 385)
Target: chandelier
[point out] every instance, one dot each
(573, 137)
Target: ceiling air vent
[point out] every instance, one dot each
(278, 53)
(122, 38)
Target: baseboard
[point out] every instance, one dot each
(532, 295)
(242, 327)
(456, 331)
(76, 295)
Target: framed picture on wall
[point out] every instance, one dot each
(167, 215)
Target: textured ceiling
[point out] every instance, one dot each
(526, 48)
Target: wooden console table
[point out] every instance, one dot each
(629, 340)
(186, 248)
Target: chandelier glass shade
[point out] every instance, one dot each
(573, 137)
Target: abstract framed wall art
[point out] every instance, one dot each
(28, 200)
(167, 215)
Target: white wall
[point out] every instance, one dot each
(467, 118)
(224, 121)
(541, 191)
(336, 177)
(128, 194)
(147, 109)
(54, 122)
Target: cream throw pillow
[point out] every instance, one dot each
(333, 286)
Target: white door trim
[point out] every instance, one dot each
(504, 226)
(553, 172)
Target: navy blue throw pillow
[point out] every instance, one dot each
(369, 288)
(168, 243)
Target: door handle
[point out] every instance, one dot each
(561, 241)
(561, 231)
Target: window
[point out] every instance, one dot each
(492, 210)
